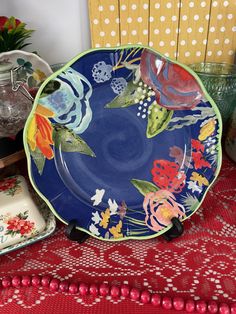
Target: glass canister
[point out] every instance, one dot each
(14, 103)
(220, 82)
(230, 141)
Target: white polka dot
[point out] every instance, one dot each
(124, 33)
(150, 43)
(222, 29)
(157, 5)
(113, 33)
(95, 21)
(203, 4)
(167, 54)
(201, 29)
(184, 17)
(167, 31)
(134, 6)
(168, 5)
(219, 53)
(102, 34)
(189, 30)
(107, 21)
(112, 8)
(196, 17)
(129, 20)
(139, 19)
(179, 5)
(234, 28)
(227, 41)
(161, 43)
(194, 42)
(151, 19)
(214, 3)
(207, 17)
(97, 45)
(177, 30)
(174, 18)
(100, 8)
(204, 41)
(212, 29)
(226, 3)
(123, 7)
(198, 53)
(216, 41)
(156, 31)
(191, 4)
(172, 43)
(162, 18)
(108, 45)
(145, 32)
(118, 44)
(176, 54)
(145, 6)
(187, 54)
(183, 42)
(134, 32)
(209, 53)
(219, 16)
(231, 52)
(229, 16)
(117, 20)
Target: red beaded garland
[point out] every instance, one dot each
(73, 288)
(166, 303)
(178, 304)
(104, 289)
(36, 281)
(93, 289)
(83, 288)
(190, 306)
(64, 286)
(6, 282)
(224, 308)
(16, 281)
(125, 289)
(201, 306)
(115, 291)
(45, 281)
(26, 281)
(134, 294)
(156, 299)
(145, 297)
(54, 284)
(212, 307)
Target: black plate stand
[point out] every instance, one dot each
(74, 234)
(175, 231)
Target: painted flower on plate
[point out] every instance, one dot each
(160, 207)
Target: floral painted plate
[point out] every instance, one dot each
(33, 69)
(121, 141)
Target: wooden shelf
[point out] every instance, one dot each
(11, 159)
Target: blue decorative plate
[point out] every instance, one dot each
(123, 140)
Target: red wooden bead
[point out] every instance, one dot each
(6, 282)
(233, 308)
(212, 307)
(73, 288)
(64, 286)
(124, 289)
(104, 289)
(134, 294)
(45, 281)
(26, 281)
(83, 288)
(145, 297)
(190, 306)
(16, 281)
(54, 284)
(93, 289)
(201, 306)
(166, 303)
(115, 291)
(36, 281)
(156, 299)
(224, 308)
(178, 304)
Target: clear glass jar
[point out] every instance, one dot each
(14, 106)
(230, 141)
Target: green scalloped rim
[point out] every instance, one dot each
(219, 135)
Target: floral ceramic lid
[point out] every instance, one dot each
(121, 141)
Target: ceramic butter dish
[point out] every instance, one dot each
(19, 216)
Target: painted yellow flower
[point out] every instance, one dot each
(207, 130)
(40, 131)
(116, 230)
(39, 75)
(105, 218)
(200, 179)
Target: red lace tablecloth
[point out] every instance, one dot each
(199, 265)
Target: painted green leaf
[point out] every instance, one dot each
(144, 187)
(67, 141)
(38, 159)
(130, 96)
(158, 119)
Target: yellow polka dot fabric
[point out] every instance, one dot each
(187, 30)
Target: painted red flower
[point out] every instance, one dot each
(4, 19)
(199, 161)
(7, 184)
(167, 176)
(26, 227)
(14, 224)
(197, 145)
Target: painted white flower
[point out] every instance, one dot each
(136, 69)
(192, 185)
(113, 207)
(97, 197)
(96, 217)
(94, 230)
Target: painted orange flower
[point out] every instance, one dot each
(40, 131)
